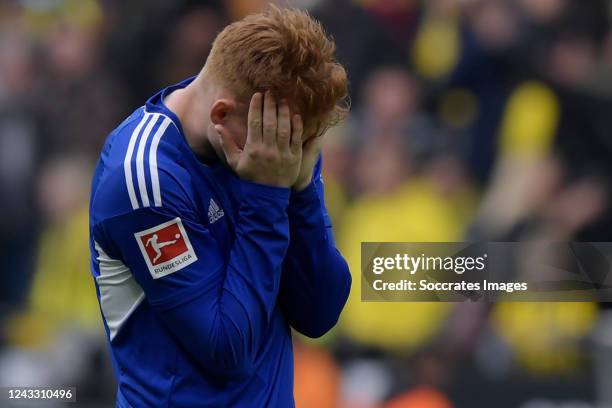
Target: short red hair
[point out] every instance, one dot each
(287, 52)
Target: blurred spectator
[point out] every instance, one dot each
(73, 72)
(58, 337)
(188, 45)
(360, 51)
(524, 173)
(390, 106)
(19, 154)
(432, 207)
(436, 48)
(545, 338)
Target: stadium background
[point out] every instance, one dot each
(471, 119)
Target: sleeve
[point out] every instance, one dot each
(316, 279)
(217, 307)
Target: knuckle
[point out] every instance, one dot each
(269, 156)
(253, 153)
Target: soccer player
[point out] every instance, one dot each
(208, 230)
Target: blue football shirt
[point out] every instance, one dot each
(200, 275)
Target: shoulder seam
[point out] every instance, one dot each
(165, 116)
(127, 120)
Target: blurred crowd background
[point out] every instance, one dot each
(471, 120)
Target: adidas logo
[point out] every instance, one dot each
(214, 211)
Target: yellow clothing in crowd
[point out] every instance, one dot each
(545, 337)
(415, 212)
(63, 292)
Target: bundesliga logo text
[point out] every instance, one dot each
(166, 248)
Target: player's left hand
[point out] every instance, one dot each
(310, 154)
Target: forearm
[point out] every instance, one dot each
(316, 279)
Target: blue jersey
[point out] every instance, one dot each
(200, 275)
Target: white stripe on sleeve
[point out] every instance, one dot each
(127, 167)
(153, 161)
(142, 184)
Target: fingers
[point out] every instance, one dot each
(284, 126)
(254, 133)
(313, 146)
(297, 128)
(229, 146)
(275, 127)
(269, 119)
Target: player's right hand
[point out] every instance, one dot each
(273, 150)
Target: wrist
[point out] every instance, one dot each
(305, 196)
(298, 188)
(302, 184)
(253, 188)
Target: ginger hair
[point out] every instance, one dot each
(287, 52)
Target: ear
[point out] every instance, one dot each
(220, 110)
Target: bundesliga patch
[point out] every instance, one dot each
(166, 248)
